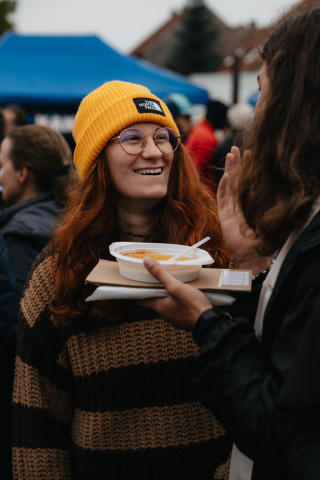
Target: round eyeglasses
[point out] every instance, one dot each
(133, 140)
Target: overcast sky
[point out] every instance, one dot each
(126, 23)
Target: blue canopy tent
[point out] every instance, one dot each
(58, 71)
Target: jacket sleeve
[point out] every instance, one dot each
(230, 376)
(42, 399)
(237, 384)
(8, 307)
(22, 253)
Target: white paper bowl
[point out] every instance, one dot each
(133, 268)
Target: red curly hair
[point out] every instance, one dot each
(186, 215)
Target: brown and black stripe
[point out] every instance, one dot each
(116, 402)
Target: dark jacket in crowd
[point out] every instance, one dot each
(7, 296)
(267, 395)
(7, 344)
(26, 228)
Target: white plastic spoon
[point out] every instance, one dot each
(188, 250)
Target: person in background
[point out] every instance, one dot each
(202, 141)
(7, 296)
(238, 116)
(181, 111)
(2, 127)
(7, 343)
(103, 389)
(36, 171)
(2, 135)
(14, 117)
(259, 370)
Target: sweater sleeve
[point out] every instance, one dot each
(42, 399)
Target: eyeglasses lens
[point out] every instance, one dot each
(167, 140)
(133, 140)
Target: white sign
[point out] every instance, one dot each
(231, 277)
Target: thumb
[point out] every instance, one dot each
(157, 270)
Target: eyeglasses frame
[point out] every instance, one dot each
(145, 134)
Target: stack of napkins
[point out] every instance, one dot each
(213, 282)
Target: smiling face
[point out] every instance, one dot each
(141, 178)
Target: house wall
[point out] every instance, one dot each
(220, 85)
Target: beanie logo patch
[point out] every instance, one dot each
(148, 105)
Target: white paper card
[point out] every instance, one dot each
(131, 293)
(230, 277)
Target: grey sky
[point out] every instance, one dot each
(125, 23)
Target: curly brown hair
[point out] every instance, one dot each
(281, 179)
(90, 225)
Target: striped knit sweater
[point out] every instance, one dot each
(113, 403)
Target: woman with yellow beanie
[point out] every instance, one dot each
(102, 389)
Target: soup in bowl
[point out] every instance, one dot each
(161, 257)
(130, 257)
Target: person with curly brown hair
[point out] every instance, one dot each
(103, 389)
(259, 370)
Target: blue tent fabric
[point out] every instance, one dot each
(49, 70)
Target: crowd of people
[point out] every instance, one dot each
(209, 140)
(170, 388)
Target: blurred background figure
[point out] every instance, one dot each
(203, 140)
(2, 135)
(14, 117)
(7, 297)
(7, 351)
(181, 110)
(36, 172)
(238, 116)
(2, 126)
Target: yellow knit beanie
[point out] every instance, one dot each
(108, 110)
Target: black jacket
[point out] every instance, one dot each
(267, 396)
(26, 228)
(7, 296)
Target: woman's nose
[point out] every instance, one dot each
(151, 150)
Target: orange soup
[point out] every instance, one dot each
(158, 256)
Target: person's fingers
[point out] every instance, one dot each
(152, 303)
(168, 281)
(236, 155)
(229, 163)
(236, 168)
(222, 191)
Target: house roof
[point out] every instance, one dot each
(166, 28)
(298, 7)
(157, 47)
(263, 34)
